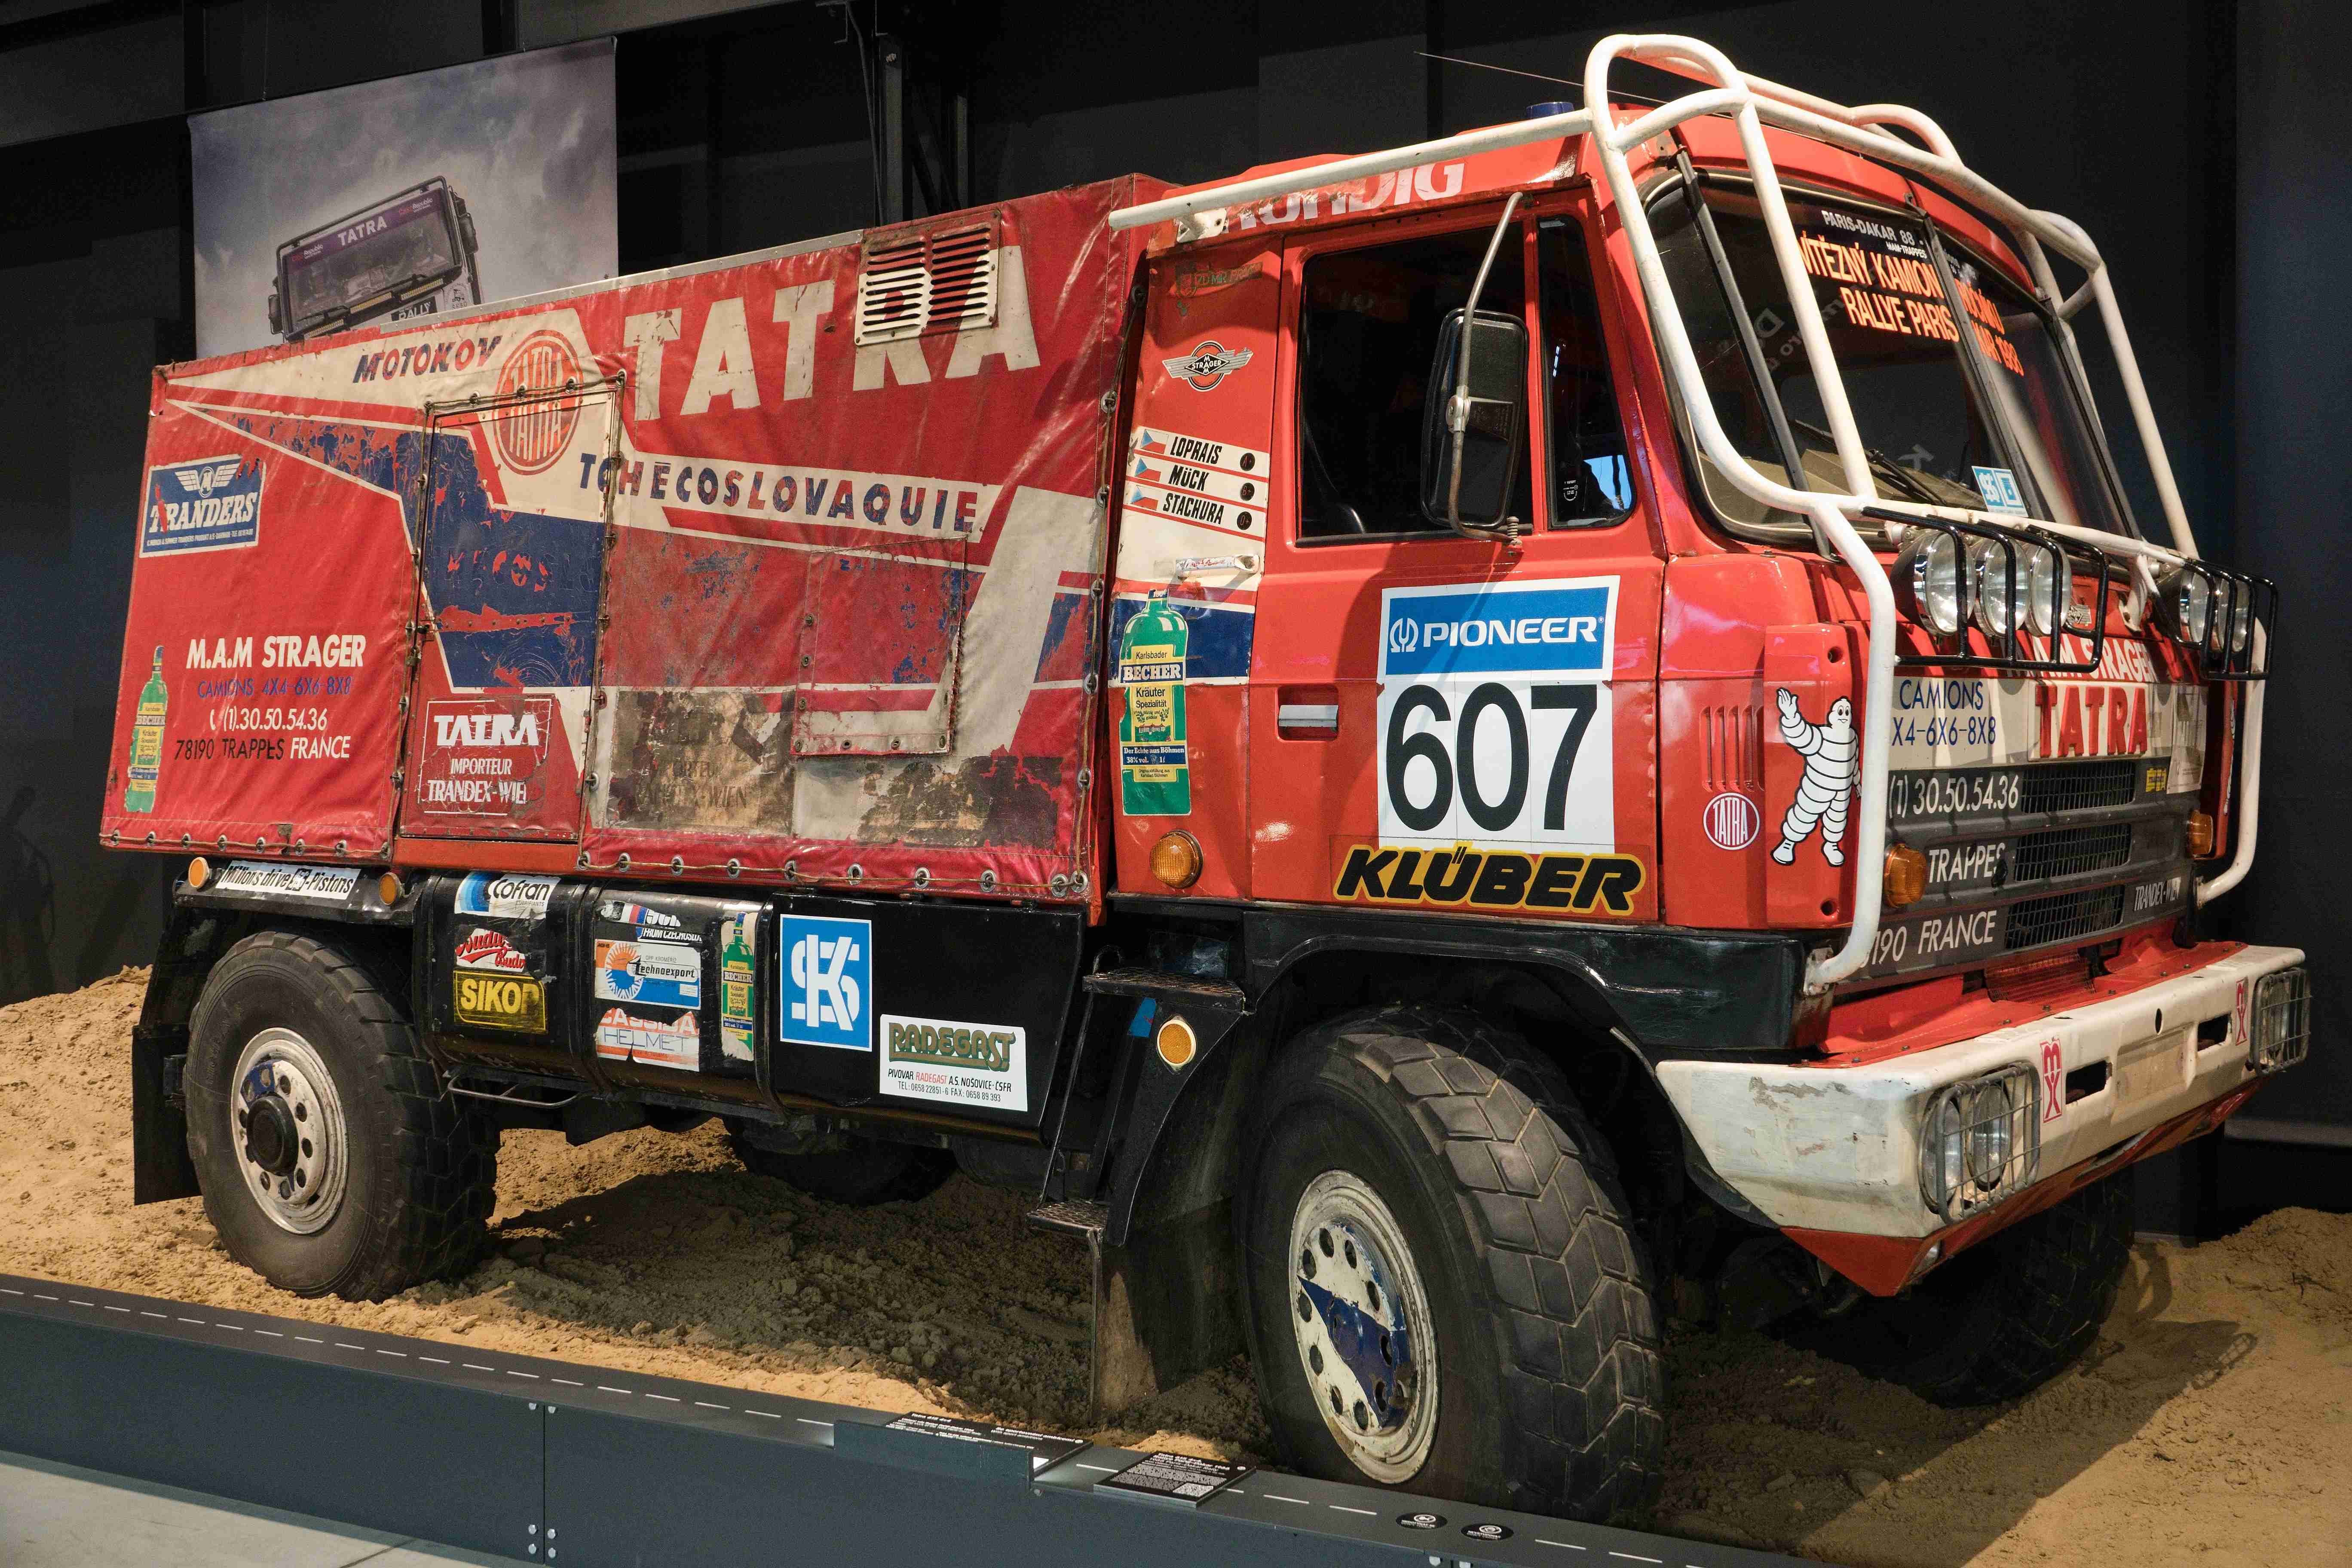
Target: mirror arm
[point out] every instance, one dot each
(1457, 407)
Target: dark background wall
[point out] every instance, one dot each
(2200, 142)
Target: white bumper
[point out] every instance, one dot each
(1837, 1148)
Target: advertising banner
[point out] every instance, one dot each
(401, 199)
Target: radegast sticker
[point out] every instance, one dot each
(824, 982)
(960, 1064)
(213, 503)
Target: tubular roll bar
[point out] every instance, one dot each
(1750, 102)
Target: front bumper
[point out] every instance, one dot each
(1837, 1149)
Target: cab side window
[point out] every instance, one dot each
(1368, 325)
(1591, 482)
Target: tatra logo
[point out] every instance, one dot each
(490, 729)
(533, 436)
(1207, 365)
(1491, 880)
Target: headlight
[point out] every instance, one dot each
(2007, 598)
(2184, 604)
(1928, 576)
(2241, 623)
(1980, 1141)
(2282, 1028)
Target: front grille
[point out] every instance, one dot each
(2074, 786)
(2069, 851)
(2061, 916)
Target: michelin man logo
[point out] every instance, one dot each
(829, 968)
(1827, 789)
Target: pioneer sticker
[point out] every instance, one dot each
(982, 1065)
(1494, 715)
(502, 897)
(513, 1002)
(655, 974)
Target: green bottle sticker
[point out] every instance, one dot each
(739, 967)
(1155, 774)
(147, 741)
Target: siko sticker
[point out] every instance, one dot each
(1155, 771)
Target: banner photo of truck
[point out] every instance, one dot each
(1365, 731)
(397, 199)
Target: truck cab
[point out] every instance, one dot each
(1446, 752)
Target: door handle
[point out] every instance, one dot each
(1307, 713)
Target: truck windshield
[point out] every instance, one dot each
(1998, 429)
(357, 260)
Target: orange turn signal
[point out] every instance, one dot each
(1176, 859)
(200, 871)
(388, 889)
(1906, 876)
(1176, 1042)
(2201, 836)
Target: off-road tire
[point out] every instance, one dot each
(1551, 1383)
(868, 1172)
(421, 1167)
(2012, 1312)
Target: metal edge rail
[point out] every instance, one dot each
(544, 1460)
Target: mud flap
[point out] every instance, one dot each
(1164, 1305)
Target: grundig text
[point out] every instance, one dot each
(1491, 880)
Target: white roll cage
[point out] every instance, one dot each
(1750, 102)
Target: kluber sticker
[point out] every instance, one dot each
(480, 949)
(824, 982)
(1494, 715)
(513, 1002)
(985, 1065)
(657, 1042)
(654, 974)
(739, 969)
(503, 897)
(325, 883)
(213, 503)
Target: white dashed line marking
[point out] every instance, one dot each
(806, 1422)
(72, 1303)
(39, 1297)
(1632, 1557)
(665, 1398)
(436, 1360)
(1343, 1507)
(567, 1383)
(470, 1366)
(1277, 1496)
(768, 1413)
(144, 1313)
(532, 1375)
(273, 1334)
(340, 1346)
(706, 1405)
(5, 1291)
(304, 1338)
(198, 1321)
(608, 1388)
(124, 1311)
(402, 1354)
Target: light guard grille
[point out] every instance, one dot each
(912, 285)
(2062, 917)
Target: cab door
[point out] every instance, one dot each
(1442, 723)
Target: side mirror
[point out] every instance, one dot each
(1472, 420)
(274, 324)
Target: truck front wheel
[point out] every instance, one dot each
(331, 1162)
(1445, 1294)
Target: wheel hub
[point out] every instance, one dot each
(1362, 1320)
(292, 1140)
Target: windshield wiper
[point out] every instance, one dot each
(1885, 466)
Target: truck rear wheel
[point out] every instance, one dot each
(864, 1171)
(331, 1162)
(2009, 1314)
(1445, 1293)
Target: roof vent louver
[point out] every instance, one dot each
(912, 285)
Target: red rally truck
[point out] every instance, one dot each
(1446, 752)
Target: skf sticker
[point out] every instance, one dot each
(1489, 879)
(622, 1037)
(479, 949)
(1207, 365)
(513, 1002)
(655, 974)
(826, 982)
(1155, 773)
(504, 898)
(739, 969)
(958, 1064)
